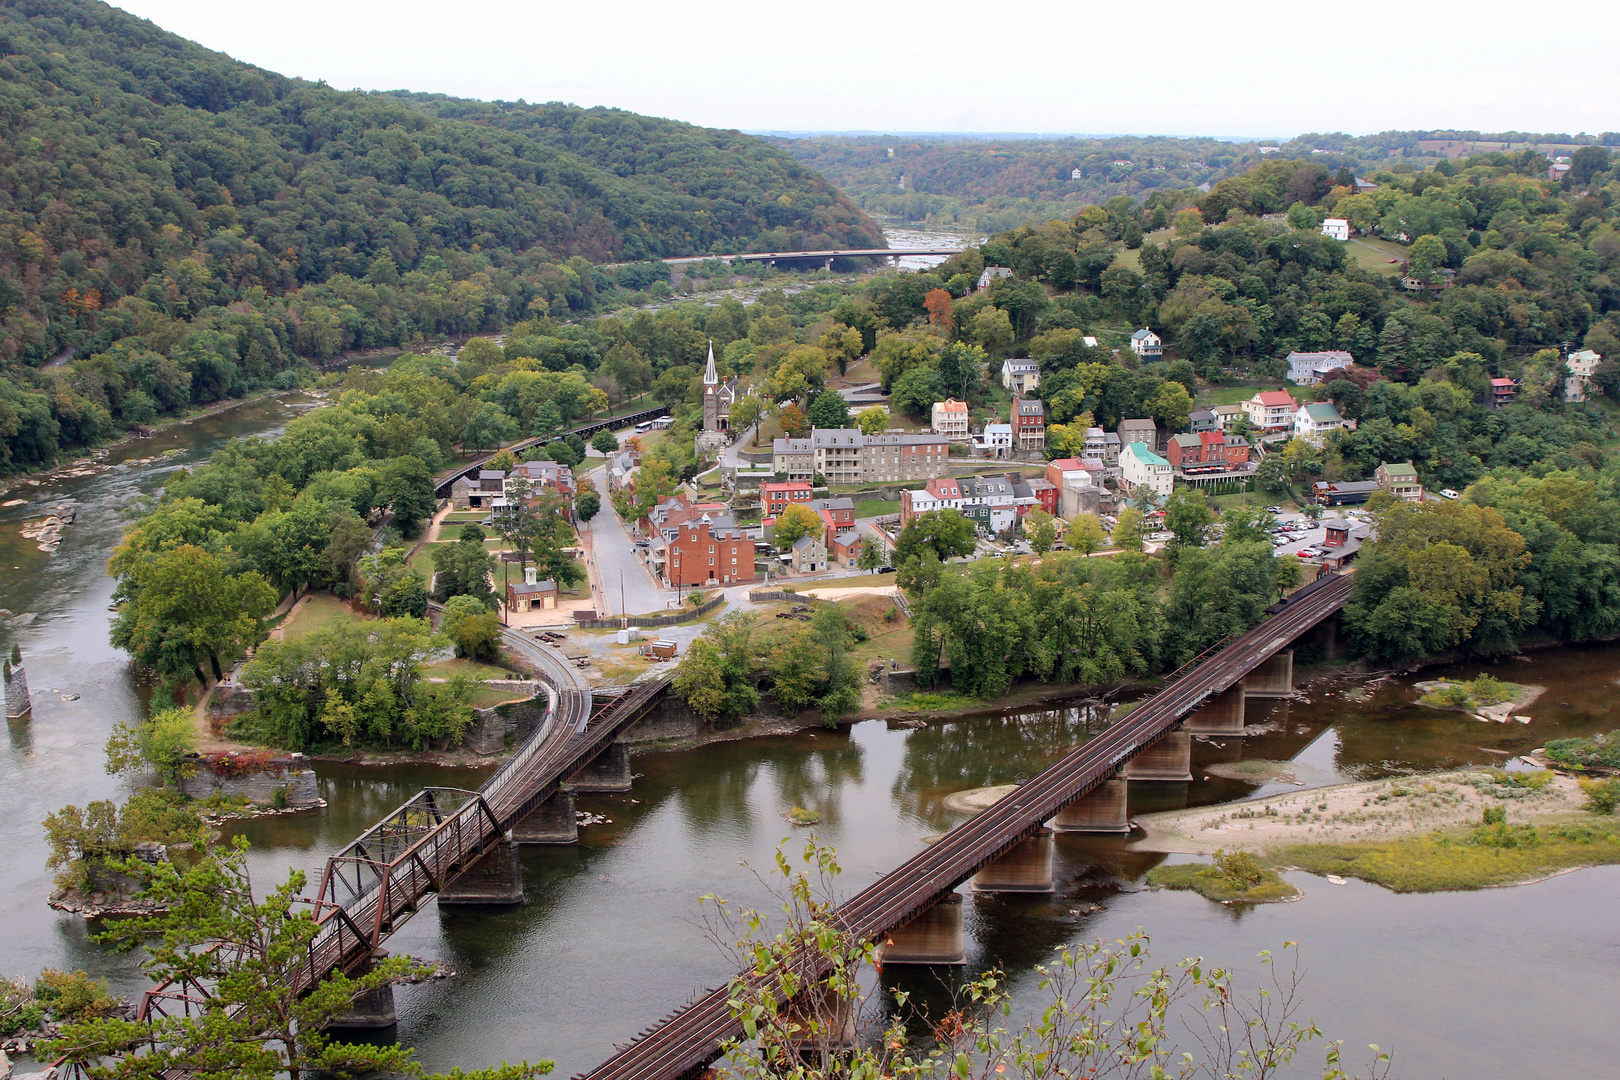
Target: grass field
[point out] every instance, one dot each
(486, 698)
(1373, 255)
(876, 507)
(445, 669)
(1445, 861)
(320, 610)
(1207, 881)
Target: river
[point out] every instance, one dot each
(1499, 983)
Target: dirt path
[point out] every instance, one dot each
(1369, 811)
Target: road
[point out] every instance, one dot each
(615, 555)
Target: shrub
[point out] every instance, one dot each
(1486, 690)
(1238, 869)
(1602, 796)
(73, 995)
(1495, 832)
(1450, 695)
(19, 1011)
(1600, 750)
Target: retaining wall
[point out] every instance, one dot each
(293, 777)
(648, 622)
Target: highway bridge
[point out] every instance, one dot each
(689, 1038)
(451, 842)
(824, 256)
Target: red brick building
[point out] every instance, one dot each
(1028, 423)
(777, 496)
(700, 554)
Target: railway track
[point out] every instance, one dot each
(689, 1038)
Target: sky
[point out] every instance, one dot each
(1238, 68)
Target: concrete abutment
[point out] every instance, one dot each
(1168, 759)
(933, 937)
(1027, 868)
(1102, 810)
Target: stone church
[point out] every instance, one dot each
(718, 398)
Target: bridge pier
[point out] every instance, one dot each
(491, 880)
(1220, 715)
(933, 937)
(1170, 758)
(609, 771)
(552, 822)
(1102, 810)
(827, 1022)
(1027, 868)
(372, 1010)
(1274, 678)
(828, 264)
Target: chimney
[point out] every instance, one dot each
(530, 575)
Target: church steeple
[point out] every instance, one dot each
(710, 376)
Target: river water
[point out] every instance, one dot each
(1500, 983)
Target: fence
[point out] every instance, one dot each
(648, 622)
(759, 595)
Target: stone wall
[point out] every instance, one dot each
(671, 718)
(904, 681)
(230, 699)
(293, 776)
(493, 730)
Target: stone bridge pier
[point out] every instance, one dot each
(1220, 715)
(492, 879)
(1102, 810)
(1168, 759)
(1026, 868)
(1274, 678)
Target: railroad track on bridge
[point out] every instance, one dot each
(689, 1038)
(372, 886)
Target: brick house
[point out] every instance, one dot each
(1028, 423)
(546, 474)
(940, 493)
(1271, 410)
(702, 553)
(950, 419)
(1400, 479)
(775, 497)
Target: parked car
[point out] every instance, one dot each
(1274, 509)
(1448, 493)
(884, 570)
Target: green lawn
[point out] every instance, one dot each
(485, 698)
(876, 507)
(1373, 254)
(320, 610)
(1231, 395)
(444, 669)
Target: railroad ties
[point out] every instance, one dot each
(689, 1038)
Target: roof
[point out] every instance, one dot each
(842, 502)
(1227, 410)
(1503, 384)
(1322, 412)
(1349, 487)
(786, 485)
(523, 588)
(806, 542)
(491, 474)
(1143, 334)
(951, 405)
(1187, 440)
(999, 429)
(790, 446)
(1067, 464)
(1272, 398)
(1146, 456)
(1329, 354)
(1030, 407)
(1196, 413)
(1399, 468)
(1022, 363)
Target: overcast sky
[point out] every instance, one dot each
(1166, 67)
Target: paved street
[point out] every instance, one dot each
(615, 554)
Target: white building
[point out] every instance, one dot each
(1146, 344)
(1581, 365)
(991, 273)
(1141, 467)
(1315, 419)
(1308, 368)
(1020, 376)
(1271, 410)
(997, 440)
(1337, 228)
(950, 419)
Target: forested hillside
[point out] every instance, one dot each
(1000, 183)
(180, 227)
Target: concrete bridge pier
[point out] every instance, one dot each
(1170, 758)
(933, 937)
(1274, 678)
(552, 822)
(1027, 868)
(490, 880)
(1102, 810)
(829, 1024)
(827, 264)
(371, 1011)
(609, 771)
(1220, 715)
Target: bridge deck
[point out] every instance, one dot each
(689, 1038)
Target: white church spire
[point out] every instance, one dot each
(710, 376)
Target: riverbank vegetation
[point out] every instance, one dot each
(1234, 877)
(1602, 751)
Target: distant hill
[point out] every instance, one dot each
(995, 183)
(196, 224)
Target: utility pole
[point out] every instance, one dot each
(624, 614)
(504, 567)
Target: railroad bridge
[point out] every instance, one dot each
(461, 845)
(457, 844)
(914, 911)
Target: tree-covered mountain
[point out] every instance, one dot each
(999, 183)
(179, 227)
